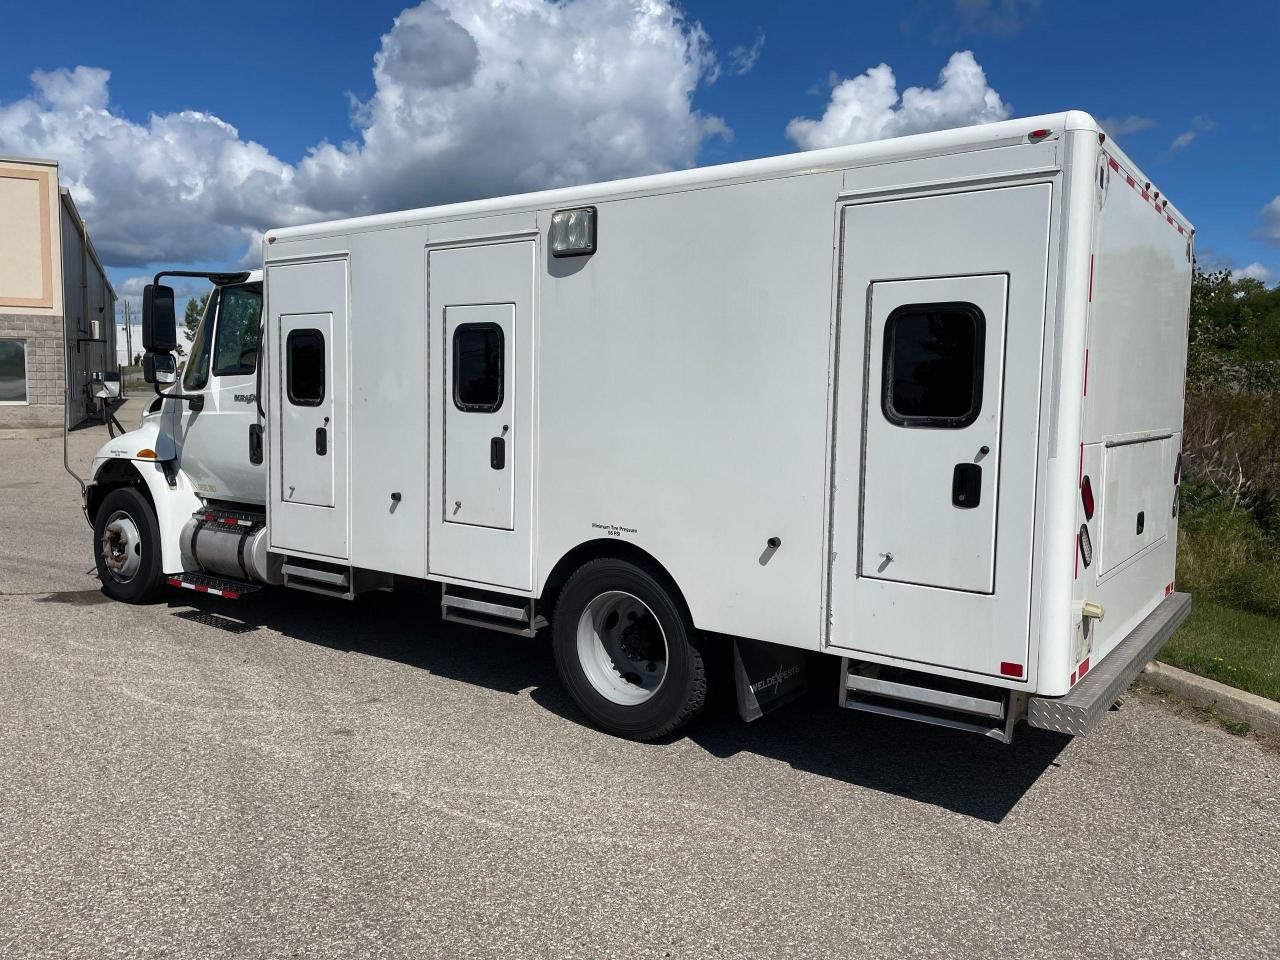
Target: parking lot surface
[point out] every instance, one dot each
(295, 776)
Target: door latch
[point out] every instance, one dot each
(966, 486)
(322, 441)
(498, 453)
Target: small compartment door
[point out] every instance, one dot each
(935, 363)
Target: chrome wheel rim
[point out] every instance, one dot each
(121, 547)
(622, 648)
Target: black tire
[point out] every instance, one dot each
(682, 691)
(145, 583)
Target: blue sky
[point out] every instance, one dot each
(1195, 87)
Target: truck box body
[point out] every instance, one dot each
(898, 361)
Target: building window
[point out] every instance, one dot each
(304, 367)
(477, 367)
(13, 371)
(933, 364)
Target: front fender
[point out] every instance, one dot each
(124, 461)
(150, 441)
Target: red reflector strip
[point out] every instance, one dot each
(1073, 678)
(1168, 589)
(1151, 196)
(201, 588)
(1008, 669)
(1084, 666)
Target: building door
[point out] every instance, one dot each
(940, 346)
(308, 325)
(481, 305)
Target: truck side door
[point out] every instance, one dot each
(214, 433)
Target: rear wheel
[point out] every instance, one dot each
(127, 547)
(625, 650)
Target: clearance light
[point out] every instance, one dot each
(1035, 136)
(1086, 497)
(1086, 546)
(573, 232)
(146, 453)
(1008, 669)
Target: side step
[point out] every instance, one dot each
(940, 701)
(332, 579)
(488, 608)
(218, 586)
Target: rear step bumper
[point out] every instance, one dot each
(217, 586)
(1089, 700)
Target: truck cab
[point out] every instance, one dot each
(197, 453)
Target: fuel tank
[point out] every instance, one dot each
(231, 548)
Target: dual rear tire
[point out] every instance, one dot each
(626, 650)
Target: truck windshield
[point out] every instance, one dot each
(232, 341)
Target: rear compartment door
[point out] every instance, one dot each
(940, 343)
(935, 360)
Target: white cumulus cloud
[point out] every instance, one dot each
(1254, 271)
(471, 98)
(1269, 228)
(868, 107)
(1119, 126)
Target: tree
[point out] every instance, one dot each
(1235, 334)
(191, 319)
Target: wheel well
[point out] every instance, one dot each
(598, 550)
(114, 475)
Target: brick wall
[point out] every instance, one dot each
(45, 374)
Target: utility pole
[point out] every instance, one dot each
(128, 340)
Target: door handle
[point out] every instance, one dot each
(255, 443)
(322, 441)
(966, 486)
(498, 453)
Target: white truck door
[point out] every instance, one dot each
(213, 440)
(481, 304)
(477, 414)
(931, 466)
(940, 348)
(308, 322)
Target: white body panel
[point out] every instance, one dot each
(683, 389)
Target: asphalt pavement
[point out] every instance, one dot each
(294, 776)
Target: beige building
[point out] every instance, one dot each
(51, 283)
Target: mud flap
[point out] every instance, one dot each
(767, 676)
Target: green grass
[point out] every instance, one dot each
(1230, 645)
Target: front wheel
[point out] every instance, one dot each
(127, 547)
(625, 650)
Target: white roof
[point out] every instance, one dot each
(958, 140)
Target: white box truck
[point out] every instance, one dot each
(916, 404)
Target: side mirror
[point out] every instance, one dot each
(159, 322)
(159, 368)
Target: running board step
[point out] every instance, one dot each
(871, 688)
(313, 576)
(487, 608)
(217, 586)
(332, 579)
